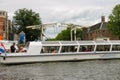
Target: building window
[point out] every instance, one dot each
(4, 13)
(3, 26)
(0, 13)
(103, 31)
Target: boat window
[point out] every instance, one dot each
(50, 49)
(86, 48)
(103, 48)
(69, 49)
(116, 48)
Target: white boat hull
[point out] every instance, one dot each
(27, 58)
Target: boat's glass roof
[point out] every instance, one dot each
(115, 42)
(102, 42)
(50, 42)
(97, 42)
(68, 42)
(86, 42)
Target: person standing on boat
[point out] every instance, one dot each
(12, 48)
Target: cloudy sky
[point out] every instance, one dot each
(82, 12)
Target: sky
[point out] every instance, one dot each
(80, 12)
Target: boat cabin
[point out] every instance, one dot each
(60, 47)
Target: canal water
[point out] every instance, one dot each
(80, 70)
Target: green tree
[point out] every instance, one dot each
(25, 17)
(65, 34)
(79, 34)
(114, 21)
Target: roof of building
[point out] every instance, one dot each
(99, 26)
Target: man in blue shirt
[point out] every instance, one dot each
(12, 48)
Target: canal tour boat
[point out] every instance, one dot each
(45, 51)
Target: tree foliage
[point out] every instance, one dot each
(25, 17)
(65, 34)
(79, 34)
(114, 21)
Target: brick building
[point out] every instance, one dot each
(98, 32)
(5, 26)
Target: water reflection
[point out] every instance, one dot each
(83, 70)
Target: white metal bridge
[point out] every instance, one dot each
(42, 28)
